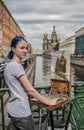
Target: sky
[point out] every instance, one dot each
(35, 17)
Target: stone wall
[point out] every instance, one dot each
(30, 71)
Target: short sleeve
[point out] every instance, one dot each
(19, 70)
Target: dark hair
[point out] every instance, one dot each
(14, 43)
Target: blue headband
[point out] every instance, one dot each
(15, 40)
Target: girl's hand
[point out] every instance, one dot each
(53, 101)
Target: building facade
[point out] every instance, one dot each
(68, 45)
(79, 42)
(8, 29)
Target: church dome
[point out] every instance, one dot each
(45, 33)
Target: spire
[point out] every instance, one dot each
(53, 28)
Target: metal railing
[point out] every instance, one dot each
(2, 92)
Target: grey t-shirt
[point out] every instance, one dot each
(18, 105)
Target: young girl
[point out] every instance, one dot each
(18, 106)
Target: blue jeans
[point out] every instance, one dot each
(26, 123)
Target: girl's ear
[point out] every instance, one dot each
(13, 49)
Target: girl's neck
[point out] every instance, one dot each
(16, 59)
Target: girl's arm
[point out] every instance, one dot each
(32, 91)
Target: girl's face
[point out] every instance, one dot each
(21, 49)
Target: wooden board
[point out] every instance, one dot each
(61, 101)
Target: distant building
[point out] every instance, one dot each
(79, 42)
(75, 43)
(49, 44)
(8, 29)
(68, 45)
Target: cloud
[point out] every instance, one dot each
(37, 16)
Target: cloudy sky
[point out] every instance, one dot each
(38, 16)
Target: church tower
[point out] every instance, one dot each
(45, 41)
(50, 44)
(54, 36)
